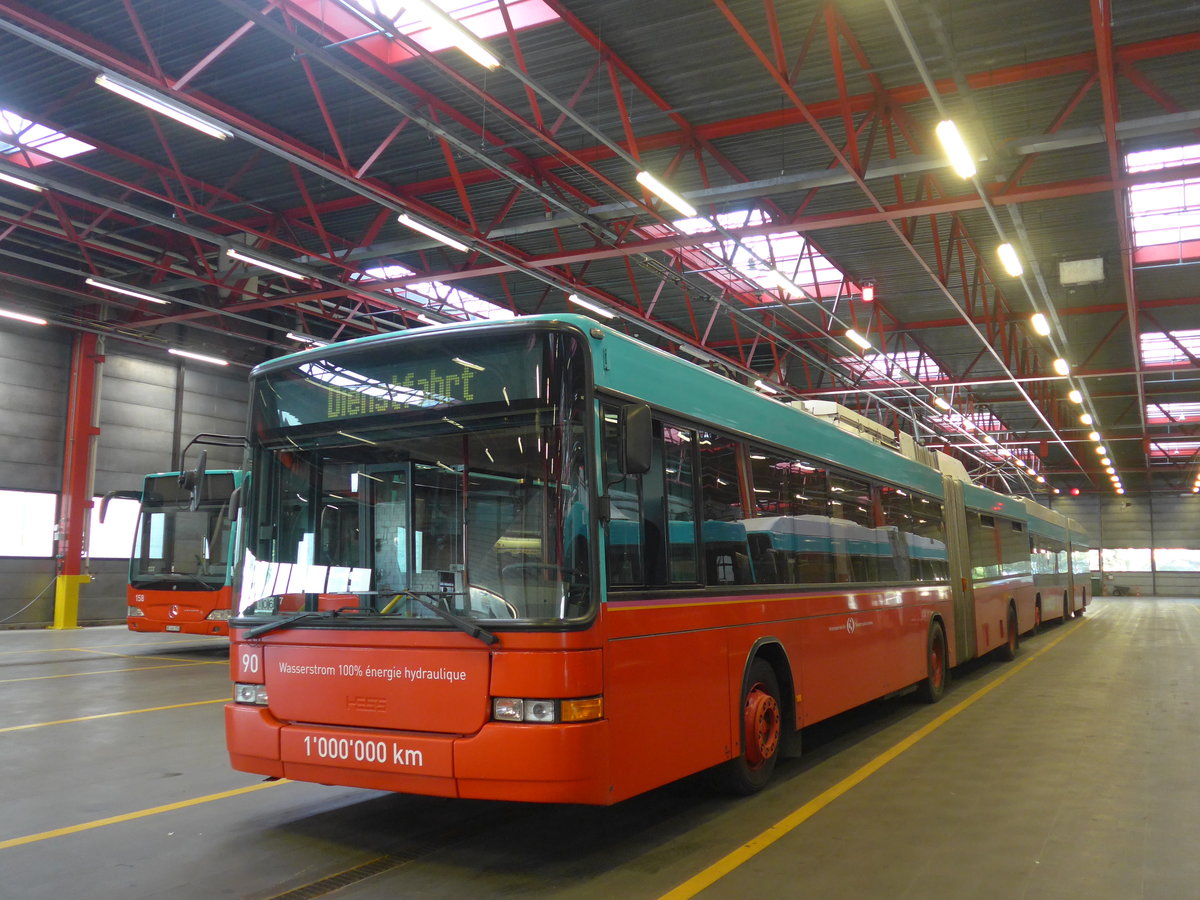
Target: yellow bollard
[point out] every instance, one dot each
(66, 601)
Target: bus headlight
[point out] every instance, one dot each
(254, 694)
(134, 611)
(220, 614)
(518, 709)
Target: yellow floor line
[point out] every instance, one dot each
(99, 672)
(199, 662)
(127, 712)
(786, 825)
(139, 814)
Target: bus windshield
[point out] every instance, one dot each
(452, 475)
(180, 547)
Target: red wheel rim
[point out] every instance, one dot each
(1037, 616)
(937, 664)
(761, 726)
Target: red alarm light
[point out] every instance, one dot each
(1074, 492)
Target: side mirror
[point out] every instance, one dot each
(115, 495)
(636, 438)
(192, 480)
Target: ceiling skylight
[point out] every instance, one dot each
(1167, 349)
(19, 138)
(1177, 450)
(1166, 413)
(1165, 215)
(439, 297)
(482, 18)
(980, 420)
(878, 368)
(790, 254)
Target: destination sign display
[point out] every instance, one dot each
(356, 382)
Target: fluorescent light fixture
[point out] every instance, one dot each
(197, 356)
(1086, 419)
(956, 148)
(1110, 470)
(941, 403)
(265, 264)
(1062, 367)
(652, 184)
(868, 291)
(1057, 491)
(20, 182)
(1102, 451)
(1121, 490)
(409, 222)
(21, 317)
(307, 339)
(1041, 480)
(858, 339)
(1075, 396)
(1106, 461)
(1040, 323)
(421, 317)
(598, 310)
(1093, 435)
(454, 31)
(123, 289)
(466, 362)
(1010, 260)
(763, 386)
(147, 98)
(988, 439)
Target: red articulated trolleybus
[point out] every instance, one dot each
(539, 560)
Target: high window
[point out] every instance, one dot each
(29, 144)
(440, 297)
(881, 368)
(1171, 348)
(1165, 215)
(483, 18)
(27, 523)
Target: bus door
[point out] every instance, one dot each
(961, 584)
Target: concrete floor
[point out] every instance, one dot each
(1069, 773)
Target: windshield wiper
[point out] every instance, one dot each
(463, 625)
(301, 616)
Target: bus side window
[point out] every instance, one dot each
(623, 530)
(722, 529)
(680, 495)
(859, 547)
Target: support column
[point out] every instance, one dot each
(78, 468)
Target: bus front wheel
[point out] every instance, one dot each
(761, 725)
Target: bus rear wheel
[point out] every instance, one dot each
(934, 686)
(761, 723)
